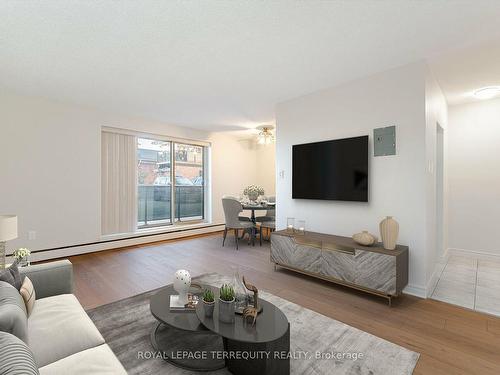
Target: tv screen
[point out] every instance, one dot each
(331, 170)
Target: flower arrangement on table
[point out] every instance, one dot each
(21, 255)
(253, 192)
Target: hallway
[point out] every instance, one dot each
(470, 282)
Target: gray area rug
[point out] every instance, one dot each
(126, 326)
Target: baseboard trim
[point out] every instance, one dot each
(415, 290)
(108, 245)
(479, 254)
(444, 258)
(436, 274)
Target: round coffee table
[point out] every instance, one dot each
(266, 344)
(181, 338)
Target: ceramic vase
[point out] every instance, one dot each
(226, 311)
(389, 231)
(364, 238)
(253, 196)
(182, 283)
(209, 308)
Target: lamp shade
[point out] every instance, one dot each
(8, 227)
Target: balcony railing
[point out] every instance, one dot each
(154, 204)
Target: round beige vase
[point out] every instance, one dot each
(364, 238)
(389, 231)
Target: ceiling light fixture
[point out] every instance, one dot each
(265, 136)
(487, 92)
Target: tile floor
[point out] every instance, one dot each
(472, 283)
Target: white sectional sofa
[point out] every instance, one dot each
(59, 333)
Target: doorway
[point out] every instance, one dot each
(440, 189)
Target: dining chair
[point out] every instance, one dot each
(269, 225)
(241, 218)
(232, 207)
(270, 215)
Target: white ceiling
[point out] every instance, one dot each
(225, 64)
(462, 71)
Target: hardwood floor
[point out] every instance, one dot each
(451, 340)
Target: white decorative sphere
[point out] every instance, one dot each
(182, 283)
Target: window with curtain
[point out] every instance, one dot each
(118, 183)
(151, 182)
(170, 182)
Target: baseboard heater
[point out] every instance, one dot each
(108, 244)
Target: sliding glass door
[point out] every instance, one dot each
(153, 186)
(189, 186)
(170, 182)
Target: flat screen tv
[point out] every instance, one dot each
(331, 170)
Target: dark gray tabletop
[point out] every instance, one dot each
(257, 207)
(185, 320)
(271, 324)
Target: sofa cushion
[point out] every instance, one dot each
(50, 279)
(99, 360)
(27, 291)
(13, 318)
(11, 275)
(59, 327)
(15, 356)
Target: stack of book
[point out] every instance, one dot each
(175, 305)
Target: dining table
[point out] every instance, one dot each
(257, 207)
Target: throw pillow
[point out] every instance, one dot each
(15, 357)
(28, 293)
(12, 276)
(13, 315)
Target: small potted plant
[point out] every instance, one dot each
(208, 302)
(22, 256)
(226, 304)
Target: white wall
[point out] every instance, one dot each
(397, 183)
(50, 169)
(436, 114)
(234, 163)
(474, 176)
(266, 168)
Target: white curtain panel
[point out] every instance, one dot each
(118, 183)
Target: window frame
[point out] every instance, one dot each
(174, 182)
(206, 198)
(171, 221)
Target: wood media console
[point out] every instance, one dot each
(372, 269)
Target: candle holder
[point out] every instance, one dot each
(301, 227)
(290, 224)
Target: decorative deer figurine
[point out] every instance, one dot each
(251, 311)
